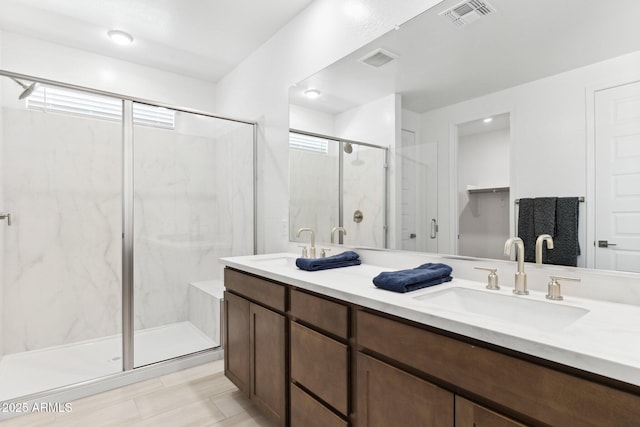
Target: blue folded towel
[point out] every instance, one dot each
(429, 274)
(344, 259)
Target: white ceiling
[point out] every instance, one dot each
(440, 64)
(199, 38)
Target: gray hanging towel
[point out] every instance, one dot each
(566, 247)
(526, 229)
(544, 215)
(544, 218)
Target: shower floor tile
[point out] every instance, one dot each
(39, 370)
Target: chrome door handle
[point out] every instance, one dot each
(605, 244)
(434, 228)
(6, 215)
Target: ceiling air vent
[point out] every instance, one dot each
(467, 12)
(378, 58)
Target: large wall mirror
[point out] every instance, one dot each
(487, 112)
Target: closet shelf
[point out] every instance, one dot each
(473, 189)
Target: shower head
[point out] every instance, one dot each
(28, 89)
(348, 148)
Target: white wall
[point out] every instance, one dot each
(483, 160)
(259, 87)
(309, 120)
(39, 58)
(549, 132)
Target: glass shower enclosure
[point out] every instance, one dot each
(115, 213)
(336, 182)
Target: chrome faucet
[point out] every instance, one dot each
(521, 278)
(333, 231)
(539, 242)
(312, 249)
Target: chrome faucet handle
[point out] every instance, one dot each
(312, 249)
(304, 251)
(539, 242)
(520, 287)
(338, 229)
(553, 291)
(492, 278)
(323, 252)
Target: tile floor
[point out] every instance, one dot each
(199, 396)
(38, 370)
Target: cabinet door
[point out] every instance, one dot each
(468, 414)
(268, 362)
(388, 396)
(237, 346)
(320, 364)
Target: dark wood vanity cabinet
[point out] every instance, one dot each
(255, 341)
(469, 414)
(313, 361)
(237, 346)
(320, 360)
(532, 393)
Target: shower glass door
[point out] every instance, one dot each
(364, 195)
(60, 302)
(193, 203)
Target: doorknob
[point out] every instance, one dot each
(605, 244)
(6, 215)
(434, 228)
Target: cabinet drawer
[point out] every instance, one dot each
(259, 290)
(308, 412)
(320, 364)
(327, 315)
(547, 395)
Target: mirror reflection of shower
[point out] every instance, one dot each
(357, 161)
(347, 147)
(332, 178)
(27, 89)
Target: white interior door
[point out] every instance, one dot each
(419, 195)
(617, 204)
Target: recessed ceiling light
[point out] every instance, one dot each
(356, 9)
(312, 93)
(120, 37)
(488, 120)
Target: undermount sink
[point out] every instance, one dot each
(512, 309)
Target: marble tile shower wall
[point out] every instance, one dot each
(313, 192)
(61, 177)
(62, 260)
(193, 204)
(364, 191)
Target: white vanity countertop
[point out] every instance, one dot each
(604, 341)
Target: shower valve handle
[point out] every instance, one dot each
(6, 215)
